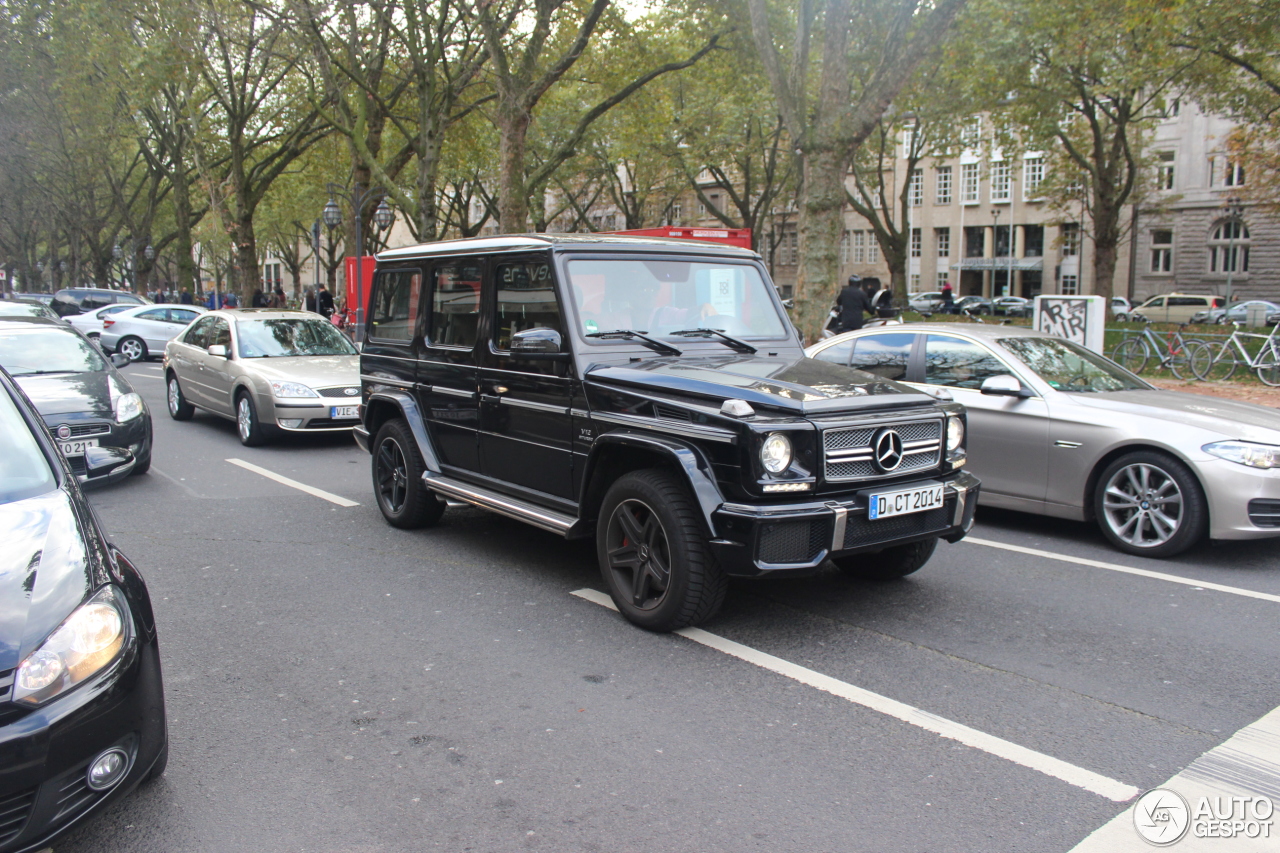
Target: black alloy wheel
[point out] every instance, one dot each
(889, 564)
(1150, 504)
(652, 555)
(404, 499)
(179, 408)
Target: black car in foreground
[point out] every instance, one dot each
(653, 396)
(82, 717)
(99, 422)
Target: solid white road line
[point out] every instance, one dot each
(1247, 765)
(1128, 570)
(294, 484)
(1046, 764)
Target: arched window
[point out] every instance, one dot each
(1229, 247)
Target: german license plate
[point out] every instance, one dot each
(339, 413)
(919, 499)
(76, 448)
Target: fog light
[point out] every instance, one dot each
(107, 769)
(290, 423)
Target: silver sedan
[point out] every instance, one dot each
(1058, 430)
(270, 371)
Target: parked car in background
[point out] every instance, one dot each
(91, 322)
(1120, 308)
(77, 300)
(973, 305)
(42, 298)
(141, 332)
(1174, 307)
(82, 715)
(924, 303)
(1011, 306)
(268, 370)
(1239, 313)
(101, 425)
(22, 308)
(1058, 430)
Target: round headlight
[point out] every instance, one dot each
(955, 434)
(775, 453)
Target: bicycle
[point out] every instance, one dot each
(1220, 362)
(1133, 353)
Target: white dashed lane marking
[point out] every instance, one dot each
(294, 484)
(1128, 570)
(1029, 758)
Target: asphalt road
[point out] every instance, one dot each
(334, 684)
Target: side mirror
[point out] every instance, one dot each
(537, 342)
(218, 351)
(119, 359)
(1004, 386)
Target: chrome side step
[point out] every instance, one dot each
(547, 519)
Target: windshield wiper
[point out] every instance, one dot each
(630, 334)
(740, 346)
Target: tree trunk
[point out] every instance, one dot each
(513, 196)
(188, 276)
(246, 272)
(820, 225)
(1106, 243)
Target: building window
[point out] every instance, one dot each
(1000, 181)
(908, 142)
(917, 240)
(1032, 241)
(674, 218)
(1070, 239)
(1164, 171)
(914, 283)
(793, 243)
(844, 248)
(943, 279)
(971, 135)
(969, 183)
(1070, 285)
(942, 184)
(859, 247)
(1032, 176)
(1235, 174)
(1229, 247)
(915, 188)
(873, 248)
(974, 240)
(942, 239)
(1162, 251)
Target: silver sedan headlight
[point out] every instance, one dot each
(775, 453)
(1246, 453)
(87, 642)
(290, 389)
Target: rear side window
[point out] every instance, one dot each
(154, 314)
(887, 356)
(455, 304)
(393, 314)
(526, 300)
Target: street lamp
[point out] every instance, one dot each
(995, 237)
(383, 216)
(1235, 211)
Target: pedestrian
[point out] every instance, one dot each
(258, 300)
(852, 304)
(185, 298)
(277, 300)
(948, 299)
(230, 300)
(211, 300)
(325, 302)
(880, 298)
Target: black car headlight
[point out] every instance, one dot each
(87, 642)
(955, 434)
(775, 453)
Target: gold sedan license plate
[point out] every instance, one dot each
(919, 499)
(76, 447)
(339, 413)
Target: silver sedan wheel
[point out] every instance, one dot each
(1143, 505)
(132, 348)
(244, 418)
(175, 397)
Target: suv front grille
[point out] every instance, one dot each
(793, 541)
(847, 451)
(860, 531)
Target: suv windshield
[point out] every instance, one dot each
(49, 350)
(660, 297)
(24, 470)
(283, 338)
(1067, 366)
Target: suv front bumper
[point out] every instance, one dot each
(754, 540)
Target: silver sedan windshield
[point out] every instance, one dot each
(290, 337)
(1067, 366)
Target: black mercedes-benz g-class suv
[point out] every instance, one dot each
(651, 394)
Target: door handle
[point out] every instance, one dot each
(489, 398)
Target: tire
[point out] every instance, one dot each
(397, 469)
(889, 564)
(1131, 354)
(1269, 370)
(142, 467)
(179, 408)
(1150, 504)
(94, 336)
(248, 427)
(134, 348)
(1180, 361)
(652, 553)
(1214, 362)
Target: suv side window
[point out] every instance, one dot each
(1187, 301)
(526, 300)
(957, 363)
(198, 335)
(455, 303)
(1154, 302)
(887, 356)
(393, 315)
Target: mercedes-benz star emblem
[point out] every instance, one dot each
(888, 450)
(64, 432)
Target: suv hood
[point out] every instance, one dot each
(797, 385)
(46, 571)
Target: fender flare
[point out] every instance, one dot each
(692, 465)
(412, 413)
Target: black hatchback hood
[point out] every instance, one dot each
(794, 384)
(85, 394)
(47, 568)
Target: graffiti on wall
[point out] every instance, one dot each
(1067, 318)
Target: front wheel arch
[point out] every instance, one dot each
(1095, 474)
